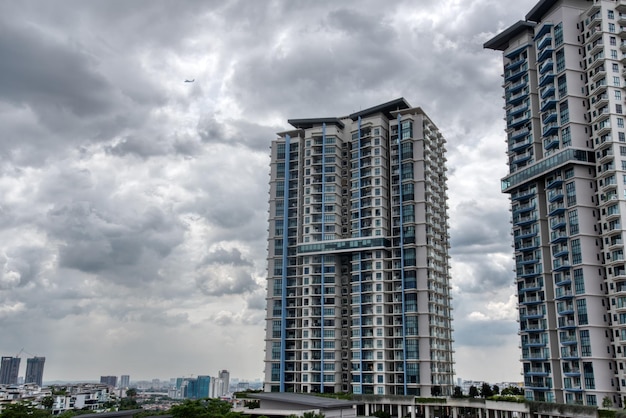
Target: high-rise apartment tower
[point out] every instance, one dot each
(358, 281)
(9, 370)
(564, 70)
(34, 370)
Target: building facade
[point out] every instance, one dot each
(34, 370)
(9, 370)
(125, 381)
(564, 68)
(109, 380)
(358, 276)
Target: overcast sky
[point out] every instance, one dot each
(133, 209)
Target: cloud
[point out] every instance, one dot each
(134, 205)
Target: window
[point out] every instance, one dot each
(573, 223)
(612, 27)
(577, 257)
(621, 136)
(613, 41)
(618, 94)
(585, 344)
(611, 14)
(579, 281)
(566, 136)
(616, 82)
(614, 54)
(620, 122)
(564, 112)
(581, 309)
(570, 189)
(560, 60)
(618, 109)
(615, 67)
(558, 34)
(562, 85)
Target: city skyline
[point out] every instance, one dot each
(135, 205)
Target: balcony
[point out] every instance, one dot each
(545, 53)
(522, 158)
(514, 99)
(550, 129)
(515, 74)
(547, 104)
(554, 195)
(519, 121)
(558, 236)
(556, 208)
(547, 65)
(530, 286)
(513, 88)
(524, 194)
(514, 111)
(551, 142)
(546, 79)
(524, 220)
(557, 223)
(600, 100)
(518, 146)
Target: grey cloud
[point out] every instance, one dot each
(224, 256)
(218, 282)
(483, 333)
(480, 229)
(97, 241)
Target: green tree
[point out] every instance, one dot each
(131, 393)
(473, 391)
(203, 408)
(496, 389)
(458, 393)
(23, 410)
(435, 390)
(314, 415)
(47, 402)
(485, 390)
(606, 402)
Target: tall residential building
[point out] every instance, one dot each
(358, 280)
(34, 370)
(124, 381)
(9, 369)
(109, 380)
(564, 68)
(224, 383)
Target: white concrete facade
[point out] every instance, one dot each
(564, 90)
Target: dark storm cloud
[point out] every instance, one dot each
(43, 74)
(96, 240)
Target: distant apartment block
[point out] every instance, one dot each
(109, 380)
(34, 370)
(224, 384)
(124, 381)
(9, 370)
